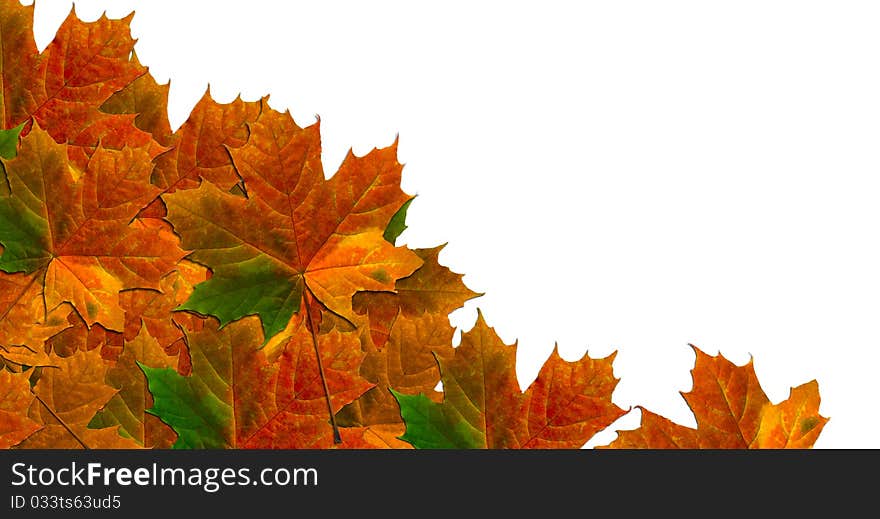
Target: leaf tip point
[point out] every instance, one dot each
(481, 319)
(207, 96)
(125, 19)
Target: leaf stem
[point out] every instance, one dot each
(75, 437)
(337, 439)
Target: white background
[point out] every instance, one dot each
(626, 175)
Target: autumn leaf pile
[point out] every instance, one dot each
(209, 287)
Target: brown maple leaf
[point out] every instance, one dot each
(483, 407)
(78, 336)
(732, 412)
(433, 288)
(407, 364)
(66, 398)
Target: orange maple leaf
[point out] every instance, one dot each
(62, 87)
(74, 232)
(406, 363)
(153, 310)
(432, 289)
(15, 400)
(66, 398)
(732, 412)
(483, 407)
(25, 325)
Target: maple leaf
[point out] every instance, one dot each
(108, 337)
(148, 102)
(406, 364)
(433, 288)
(75, 232)
(201, 144)
(153, 310)
(296, 236)
(15, 400)
(18, 56)
(236, 398)
(732, 412)
(406, 329)
(198, 149)
(128, 406)
(83, 66)
(62, 87)
(483, 406)
(66, 398)
(25, 324)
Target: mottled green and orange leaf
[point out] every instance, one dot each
(148, 102)
(483, 406)
(295, 231)
(482, 401)
(76, 230)
(236, 398)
